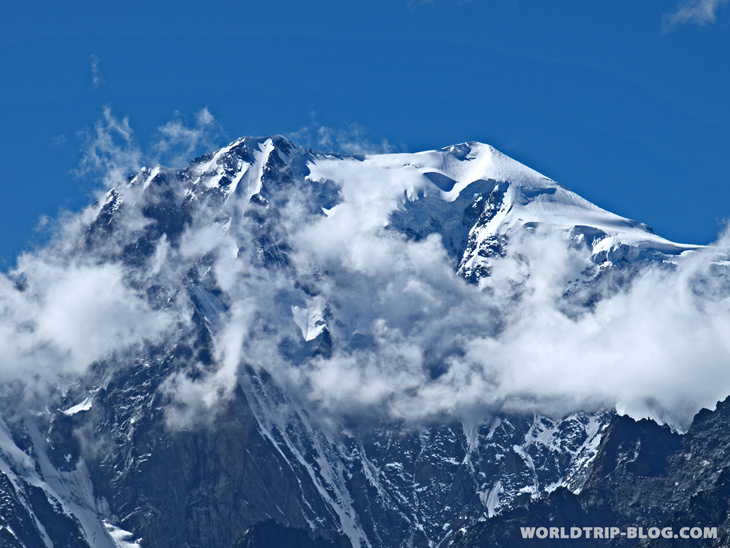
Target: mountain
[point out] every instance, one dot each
(644, 476)
(277, 346)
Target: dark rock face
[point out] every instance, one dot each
(269, 533)
(31, 517)
(644, 476)
(205, 485)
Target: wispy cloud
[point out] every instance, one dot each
(96, 77)
(111, 151)
(698, 12)
(63, 311)
(59, 141)
(350, 139)
(177, 141)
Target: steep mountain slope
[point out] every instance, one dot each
(645, 477)
(306, 355)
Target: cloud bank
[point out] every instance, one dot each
(409, 339)
(61, 315)
(436, 345)
(359, 320)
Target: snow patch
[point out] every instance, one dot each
(79, 407)
(491, 499)
(121, 538)
(310, 320)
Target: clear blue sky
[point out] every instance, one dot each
(625, 102)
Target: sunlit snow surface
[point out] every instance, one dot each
(375, 182)
(121, 538)
(83, 406)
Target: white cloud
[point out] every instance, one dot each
(67, 314)
(110, 151)
(177, 142)
(196, 401)
(655, 349)
(96, 77)
(79, 300)
(351, 139)
(438, 345)
(699, 12)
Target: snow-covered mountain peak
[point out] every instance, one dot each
(381, 182)
(238, 167)
(447, 171)
(471, 194)
(311, 310)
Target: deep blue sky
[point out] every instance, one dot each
(608, 98)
